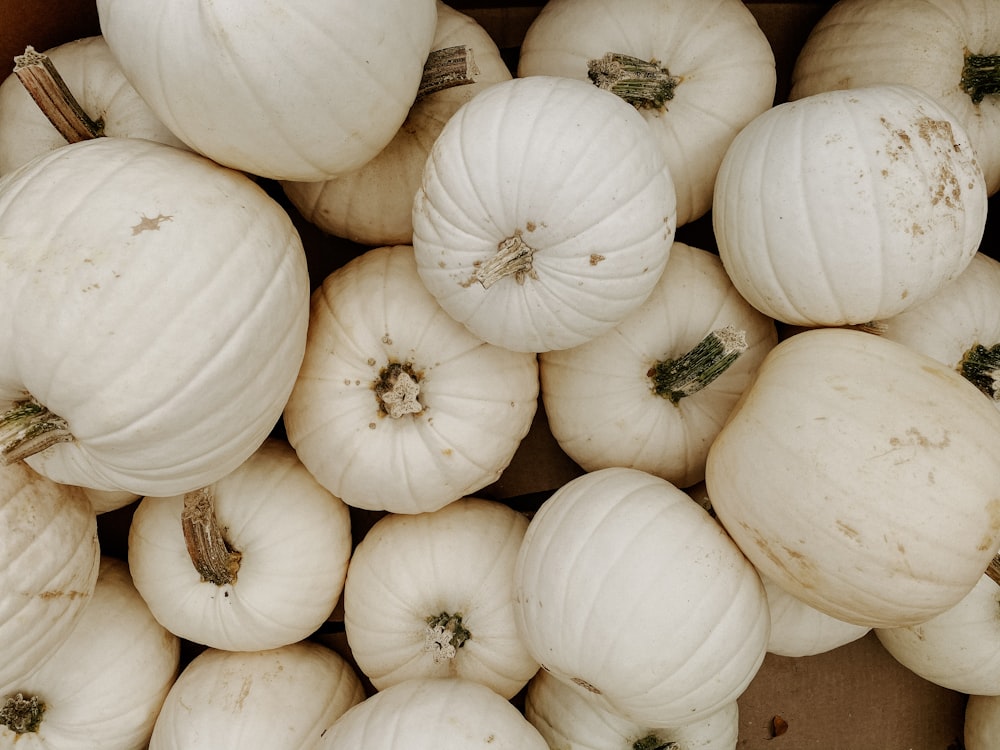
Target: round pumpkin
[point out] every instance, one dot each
(104, 685)
(157, 306)
(397, 407)
(432, 595)
(545, 214)
(296, 91)
(373, 205)
(254, 561)
(696, 71)
(627, 588)
(653, 392)
(947, 48)
(857, 474)
(49, 560)
(848, 206)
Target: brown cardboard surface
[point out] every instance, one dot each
(854, 698)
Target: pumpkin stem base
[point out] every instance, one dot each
(445, 634)
(398, 390)
(981, 367)
(981, 76)
(513, 258)
(993, 570)
(445, 68)
(207, 547)
(644, 84)
(673, 379)
(22, 715)
(27, 428)
(652, 742)
(46, 86)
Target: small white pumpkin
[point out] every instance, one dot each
(627, 588)
(397, 406)
(432, 595)
(104, 686)
(697, 71)
(280, 699)
(545, 215)
(653, 392)
(254, 561)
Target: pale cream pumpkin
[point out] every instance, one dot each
(256, 560)
(697, 71)
(157, 307)
(296, 91)
(373, 205)
(545, 215)
(653, 392)
(982, 722)
(432, 595)
(104, 685)
(397, 406)
(948, 48)
(856, 473)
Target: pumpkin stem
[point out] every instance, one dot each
(652, 742)
(993, 569)
(22, 715)
(444, 635)
(207, 547)
(981, 76)
(398, 389)
(673, 379)
(513, 258)
(447, 67)
(41, 79)
(27, 428)
(643, 84)
(981, 367)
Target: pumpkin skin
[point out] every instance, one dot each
(860, 476)
(96, 80)
(878, 206)
(722, 59)
(567, 716)
(49, 557)
(958, 649)
(280, 698)
(982, 722)
(265, 100)
(373, 205)
(373, 322)
(432, 595)
(294, 542)
(433, 713)
(579, 243)
(138, 242)
(921, 43)
(104, 686)
(612, 594)
(604, 408)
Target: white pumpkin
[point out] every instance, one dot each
(697, 71)
(545, 215)
(397, 406)
(432, 595)
(982, 722)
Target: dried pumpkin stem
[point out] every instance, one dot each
(981, 367)
(46, 86)
(397, 390)
(652, 742)
(993, 569)
(514, 257)
(981, 76)
(27, 428)
(207, 547)
(445, 68)
(444, 635)
(22, 715)
(673, 379)
(644, 84)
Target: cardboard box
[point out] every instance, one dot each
(856, 697)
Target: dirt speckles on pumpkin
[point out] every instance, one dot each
(147, 224)
(596, 258)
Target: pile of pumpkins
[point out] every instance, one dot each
(784, 441)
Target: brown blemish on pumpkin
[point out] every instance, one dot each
(147, 224)
(446, 451)
(531, 226)
(595, 259)
(585, 685)
(57, 594)
(848, 530)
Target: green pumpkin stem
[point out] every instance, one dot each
(46, 86)
(981, 76)
(673, 379)
(206, 543)
(652, 742)
(643, 84)
(445, 68)
(513, 258)
(397, 389)
(445, 634)
(22, 715)
(981, 367)
(27, 428)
